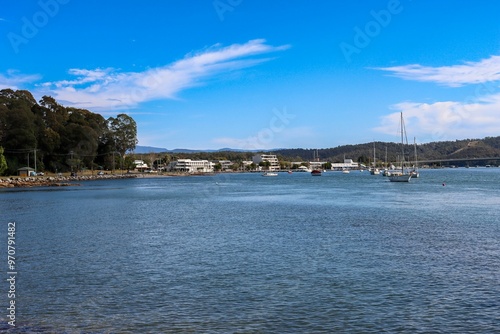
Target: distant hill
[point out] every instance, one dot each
(458, 149)
(149, 149)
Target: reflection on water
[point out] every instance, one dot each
(243, 253)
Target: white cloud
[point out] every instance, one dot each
(447, 120)
(14, 80)
(475, 117)
(111, 89)
(486, 70)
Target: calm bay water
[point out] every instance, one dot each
(241, 253)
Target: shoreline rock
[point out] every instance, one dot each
(55, 181)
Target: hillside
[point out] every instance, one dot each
(363, 153)
(459, 149)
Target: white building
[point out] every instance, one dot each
(316, 164)
(272, 159)
(191, 166)
(246, 164)
(140, 165)
(348, 163)
(224, 164)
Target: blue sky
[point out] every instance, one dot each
(263, 74)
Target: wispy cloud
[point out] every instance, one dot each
(109, 88)
(486, 70)
(447, 120)
(16, 80)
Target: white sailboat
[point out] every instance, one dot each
(401, 176)
(374, 170)
(386, 171)
(414, 172)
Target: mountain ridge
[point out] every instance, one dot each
(458, 149)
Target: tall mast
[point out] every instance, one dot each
(374, 158)
(402, 144)
(415, 147)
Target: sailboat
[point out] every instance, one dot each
(386, 171)
(414, 172)
(401, 176)
(374, 170)
(316, 171)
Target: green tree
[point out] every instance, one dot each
(327, 165)
(266, 164)
(123, 133)
(235, 166)
(3, 162)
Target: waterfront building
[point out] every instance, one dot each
(25, 171)
(316, 164)
(274, 164)
(191, 166)
(140, 165)
(225, 164)
(347, 164)
(245, 165)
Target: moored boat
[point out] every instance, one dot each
(316, 172)
(401, 176)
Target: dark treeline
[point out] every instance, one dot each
(363, 153)
(62, 138)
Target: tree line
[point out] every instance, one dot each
(56, 138)
(361, 153)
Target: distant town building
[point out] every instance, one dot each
(225, 164)
(191, 166)
(317, 164)
(272, 159)
(246, 164)
(25, 171)
(348, 163)
(140, 165)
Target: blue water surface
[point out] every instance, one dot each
(241, 253)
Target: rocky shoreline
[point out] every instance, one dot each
(55, 181)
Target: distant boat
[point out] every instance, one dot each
(345, 171)
(414, 172)
(374, 170)
(401, 176)
(303, 169)
(269, 174)
(316, 172)
(290, 172)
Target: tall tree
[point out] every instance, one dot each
(3, 162)
(123, 132)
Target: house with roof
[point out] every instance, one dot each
(25, 171)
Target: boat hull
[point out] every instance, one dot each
(400, 178)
